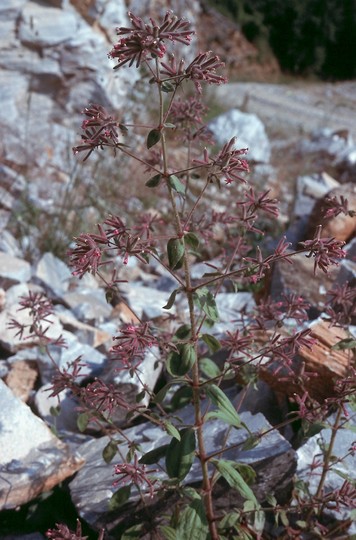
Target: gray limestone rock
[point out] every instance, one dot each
(273, 460)
(32, 460)
(46, 26)
(249, 131)
(13, 270)
(53, 273)
(88, 305)
(146, 302)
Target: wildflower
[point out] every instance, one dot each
(133, 473)
(187, 112)
(237, 342)
(87, 255)
(66, 378)
(203, 68)
(40, 308)
(326, 251)
(132, 344)
(228, 163)
(260, 201)
(100, 129)
(145, 41)
(341, 306)
(333, 207)
(104, 398)
(62, 532)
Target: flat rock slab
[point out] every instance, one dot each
(32, 459)
(273, 460)
(13, 270)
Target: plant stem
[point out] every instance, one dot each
(207, 486)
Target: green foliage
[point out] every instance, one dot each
(307, 36)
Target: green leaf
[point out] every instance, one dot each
(140, 396)
(183, 332)
(133, 532)
(120, 497)
(109, 451)
(55, 411)
(168, 532)
(209, 368)
(175, 250)
(171, 299)
(179, 363)
(83, 421)
(182, 396)
(211, 341)
(153, 456)
(153, 138)
(192, 240)
(180, 454)
(172, 430)
(189, 355)
(229, 520)
(228, 471)
(154, 181)
(206, 301)
(161, 394)
(348, 343)
(167, 87)
(246, 471)
(176, 184)
(251, 442)
(227, 411)
(193, 524)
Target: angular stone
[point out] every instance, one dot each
(249, 131)
(46, 26)
(32, 460)
(230, 306)
(88, 305)
(21, 378)
(327, 363)
(146, 302)
(13, 270)
(7, 201)
(273, 460)
(9, 244)
(90, 335)
(53, 273)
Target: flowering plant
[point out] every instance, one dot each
(187, 342)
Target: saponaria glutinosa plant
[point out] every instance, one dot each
(184, 229)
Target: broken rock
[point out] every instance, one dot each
(32, 459)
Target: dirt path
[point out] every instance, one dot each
(294, 109)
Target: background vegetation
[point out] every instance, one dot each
(308, 37)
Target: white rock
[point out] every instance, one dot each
(32, 459)
(248, 129)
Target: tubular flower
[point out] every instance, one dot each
(144, 40)
(326, 251)
(133, 473)
(203, 68)
(227, 164)
(99, 130)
